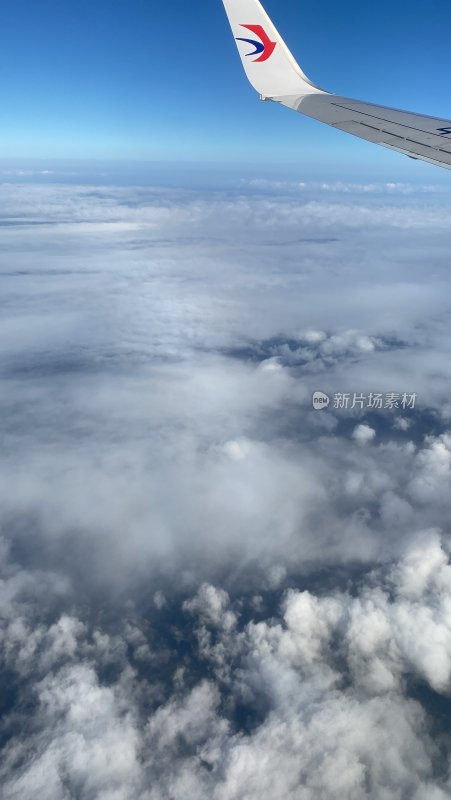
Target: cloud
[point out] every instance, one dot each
(324, 681)
(210, 589)
(340, 187)
(363, 434)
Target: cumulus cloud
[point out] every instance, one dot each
(322, 696)
(209, 588)
(363, 434)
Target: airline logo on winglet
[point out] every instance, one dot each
(263, 48)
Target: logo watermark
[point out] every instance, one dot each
(320, 401)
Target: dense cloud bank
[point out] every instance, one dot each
(328, 696)
(209, 589)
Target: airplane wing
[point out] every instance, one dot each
(276, 76)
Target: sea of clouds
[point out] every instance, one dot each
(208, 588)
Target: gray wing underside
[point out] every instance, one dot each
(420, 137)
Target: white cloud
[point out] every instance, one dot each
(363, 434)
(325, 677)
(209, 589)
(432, 475)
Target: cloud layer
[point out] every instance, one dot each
(210, 589)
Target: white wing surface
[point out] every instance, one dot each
(275, 74)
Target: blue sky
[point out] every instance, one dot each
(162, 81)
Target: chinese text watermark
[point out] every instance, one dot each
(372, 401)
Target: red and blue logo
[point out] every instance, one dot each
(263, 48)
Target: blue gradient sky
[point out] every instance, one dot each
(162, 81)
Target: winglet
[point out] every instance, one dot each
(268, 63)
